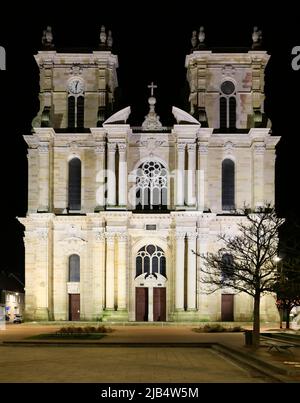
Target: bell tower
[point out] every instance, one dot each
(76, 89)
(227, 85)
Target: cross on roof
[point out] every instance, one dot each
(152, 86)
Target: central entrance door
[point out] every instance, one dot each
(74, 306)
(141, 304)
(159, 304)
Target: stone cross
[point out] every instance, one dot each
(152, 86)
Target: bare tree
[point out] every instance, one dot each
(247, 261)
(288, 285)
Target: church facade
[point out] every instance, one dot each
(115, 213)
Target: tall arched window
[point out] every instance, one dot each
(228, 199)
(227, 267)
(227, 105)
(151, 260)
(74, 191)
(223, 112)
(71, 112)
(151, 186)
(80, 111)
(74, 268)
(75, 103)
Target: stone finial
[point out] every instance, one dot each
(102, 36)
(201, 35)
(151, 121)
(47, 38)
(109, 40)
(256, 38)
(194, 40)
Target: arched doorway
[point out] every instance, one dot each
(150, 284)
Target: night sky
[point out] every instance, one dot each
(151, 45)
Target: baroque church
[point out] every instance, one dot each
(116, 213)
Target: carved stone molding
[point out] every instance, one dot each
(180, 235)
(43, 148)
(99, 236)
(228, 147)
(259, 149)
(122, 237)
(202, 149)
(191, 147)
(75, 70)
(42, 234)
(111, 147)
(100, 149)
(122, 147)
(191, 236)
(180, 147)
(110, 236)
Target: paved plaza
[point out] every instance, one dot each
(120, 357)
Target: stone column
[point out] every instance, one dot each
(122, 269)
(150, 304)
(179, 275)
(110, 272)
(202, 177)
(258, 174)
(98, 274)
(203, 305)
(100, 176)
(180, 175)
(122, 175)
(190, 197)
(42, 274)
(43, 205)
(191, 275)
(111, 174)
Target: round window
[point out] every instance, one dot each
(227, 87)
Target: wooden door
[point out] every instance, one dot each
(159, 304)
(227, 308)
(74, 306)
(141, 304)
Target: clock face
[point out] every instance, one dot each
(76, 86)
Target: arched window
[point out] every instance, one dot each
(223, 113)
(75, 103)
(228, 201)
(74, 268)
(151, 186)
(227, 105)
(232, 113)
(151, 260)
(227, 267)
(74, 184)
(80, 111)
(71, 112)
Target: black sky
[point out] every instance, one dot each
(151, 44)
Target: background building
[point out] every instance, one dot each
(12, 297)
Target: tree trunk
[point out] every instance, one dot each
(256, 320)
(287, 323)
(281, 317)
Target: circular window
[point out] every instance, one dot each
(227, 87)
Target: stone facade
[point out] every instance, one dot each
(112, 226)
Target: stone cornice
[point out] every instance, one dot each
(209, 58)
(68, 59)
